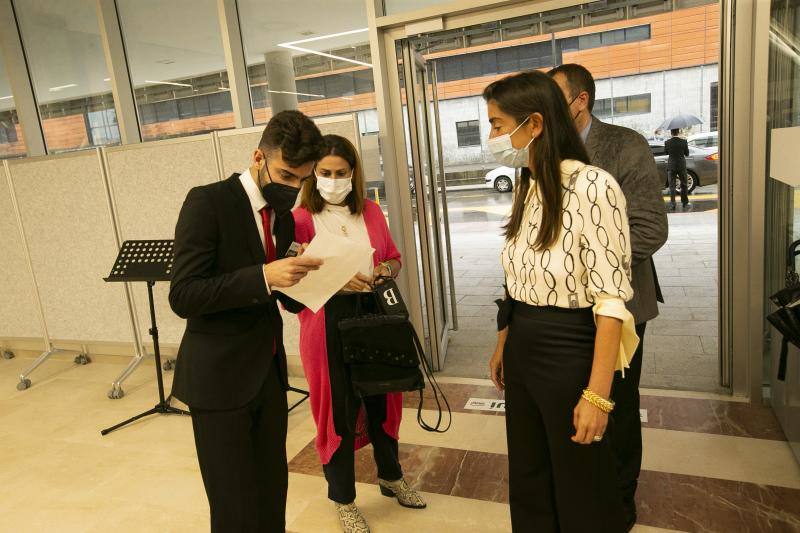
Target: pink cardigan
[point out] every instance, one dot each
(314, 351)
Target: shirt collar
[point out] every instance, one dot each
(253, 193)
(585, 132)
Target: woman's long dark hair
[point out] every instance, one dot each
(520, 96)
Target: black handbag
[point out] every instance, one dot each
(384, 355)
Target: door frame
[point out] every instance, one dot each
(742, 150)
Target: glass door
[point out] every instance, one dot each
(783, 206)
(428, 188)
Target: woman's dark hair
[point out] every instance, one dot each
(520, 96)
(337, 146)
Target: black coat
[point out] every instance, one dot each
(233, 328)
(678, 150)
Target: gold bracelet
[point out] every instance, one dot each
(598, 401)
(388, 267)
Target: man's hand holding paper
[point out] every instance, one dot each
(341, 261)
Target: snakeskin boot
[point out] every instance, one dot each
(351, 518)
(406, 496)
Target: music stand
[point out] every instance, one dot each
(147, 261)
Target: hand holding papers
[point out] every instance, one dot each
(342, 259)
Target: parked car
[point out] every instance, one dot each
(709, 139)
(702, 165)
(501, 179)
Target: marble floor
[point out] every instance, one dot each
(710, 464)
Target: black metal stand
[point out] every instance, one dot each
(162, 407)
(301, 400)
(151, 261)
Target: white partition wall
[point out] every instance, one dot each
(19, 316)
(64, 208)
(149, 182)
(236, 149)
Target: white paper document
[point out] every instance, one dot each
(341, 258)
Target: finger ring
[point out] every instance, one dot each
(598, 438)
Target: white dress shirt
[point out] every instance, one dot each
(257, 203)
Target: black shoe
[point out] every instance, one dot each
(672, 207)
(688, 207)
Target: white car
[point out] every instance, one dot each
(707, 140)
(501, 179)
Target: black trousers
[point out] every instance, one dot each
(340, 470)
(679, 174)
(626, 434)
(242, 456)
(555, 484)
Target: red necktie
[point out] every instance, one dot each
(269, 245)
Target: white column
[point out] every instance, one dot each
(280, 80)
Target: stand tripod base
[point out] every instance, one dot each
(298, 391)
(160, 409)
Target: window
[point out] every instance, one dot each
(714, 98)
(469, 133)
(178, 76)
(637, 104)
(11, 142)
(329, 73)
(658, 149)
(70, 79)
(103, 127)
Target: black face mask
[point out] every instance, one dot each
(280, 197)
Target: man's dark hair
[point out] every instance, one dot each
(295, 135)
(675, 132)
(579, 79)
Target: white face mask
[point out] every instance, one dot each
(334, 191)
(505, 153)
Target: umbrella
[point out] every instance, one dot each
(680, 121)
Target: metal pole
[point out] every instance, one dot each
(445, 213)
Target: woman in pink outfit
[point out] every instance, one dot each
(333, 201)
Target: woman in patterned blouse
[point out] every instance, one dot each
(563, 327)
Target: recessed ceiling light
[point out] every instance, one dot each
(62, 87)
(307, 32)
(293, 46)
(168, 83)
(6, 97)
(165, 61)
(106, 79)
(223, 88)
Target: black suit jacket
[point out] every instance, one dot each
(234, 328)
(677, 149)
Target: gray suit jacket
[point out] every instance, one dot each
(626, 155)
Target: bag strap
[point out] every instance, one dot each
(437, 391)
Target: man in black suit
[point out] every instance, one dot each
(231, 367)
(678, 149)
(626, 155)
